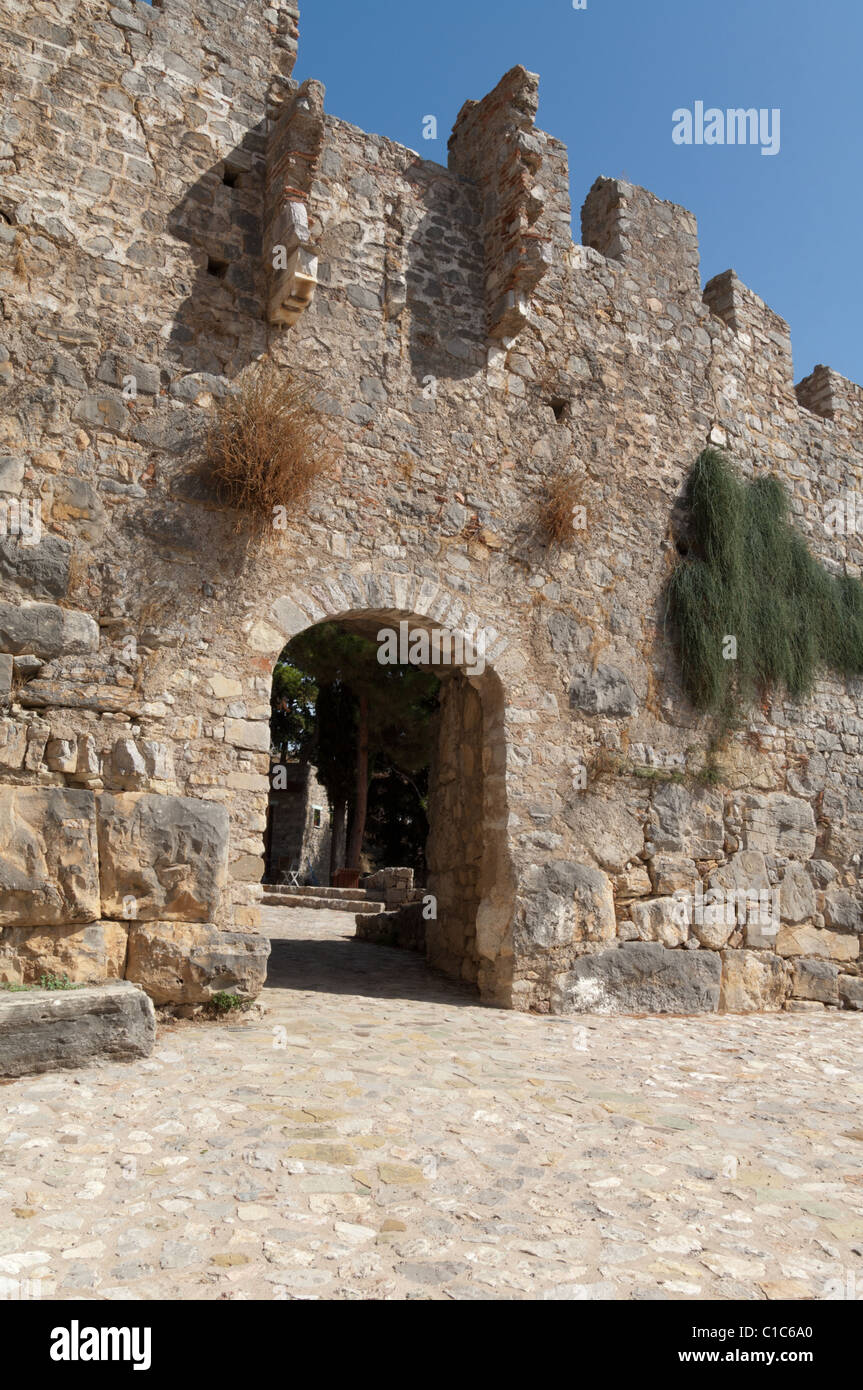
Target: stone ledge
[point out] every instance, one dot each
(641, 978)
(47, 1030)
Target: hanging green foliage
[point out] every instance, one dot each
(750, 606)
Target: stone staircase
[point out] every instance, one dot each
(336, 899)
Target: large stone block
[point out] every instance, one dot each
(797, 895)
(42, 569)
(808, 940)
(49, 873)
(641, 978)
(778, 824)
(565, 902)
(752, 982)
(61, 754)
(816, 980)
(661, 919)
(248, 733)
(607, 831)
(673, 872)
(13, 743)
(686, 822)
(86, 955)
(56, 1030)
(851, 991)
(181, 964)
(843, 909)
(161, 857)
(602, 690)
(745, 872)
(45, 630)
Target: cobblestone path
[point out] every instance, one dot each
(376, 1133)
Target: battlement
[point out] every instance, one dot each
(245, 54)
(494, 144)
(826, 393)
(631, 225)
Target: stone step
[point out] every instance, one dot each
(316, 891)
(334, 904)
(52, 1030)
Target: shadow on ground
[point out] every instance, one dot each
(342, 965)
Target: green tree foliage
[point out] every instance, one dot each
(397, 822)
(367, 719)
(749, 575)
(293, 700)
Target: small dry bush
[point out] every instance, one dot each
(268, 444)
(557, 512)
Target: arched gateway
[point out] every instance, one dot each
(470, 873)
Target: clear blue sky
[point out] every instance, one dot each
(610, 78)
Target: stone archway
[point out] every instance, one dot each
(470, 873)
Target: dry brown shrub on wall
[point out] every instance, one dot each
(556, 513)
(268, 444)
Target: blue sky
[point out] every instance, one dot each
(611, 76)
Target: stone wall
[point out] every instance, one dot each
(467, 352)
(292, 836)
(394, 886)
(402, 927)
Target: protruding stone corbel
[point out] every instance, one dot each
(295, 266)
(294, 150)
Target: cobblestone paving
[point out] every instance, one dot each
(376, 1133)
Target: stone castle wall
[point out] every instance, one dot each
(467, 352)
(294, 839)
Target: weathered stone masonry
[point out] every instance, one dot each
(467, 351)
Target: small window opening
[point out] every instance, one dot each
(230, 175)
(317, 813)
(560, 406)
(217, 268)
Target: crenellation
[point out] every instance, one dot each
(494, 144)
(766, 336)
(833, 397)
(633, 226)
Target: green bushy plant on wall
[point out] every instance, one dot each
(748, 575)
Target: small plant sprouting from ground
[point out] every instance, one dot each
(710, 775)
(561, 510)
(51, 981)
(46, 981)
(750, 606)
(267, 446)
(224, 1003)
(607, 764)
